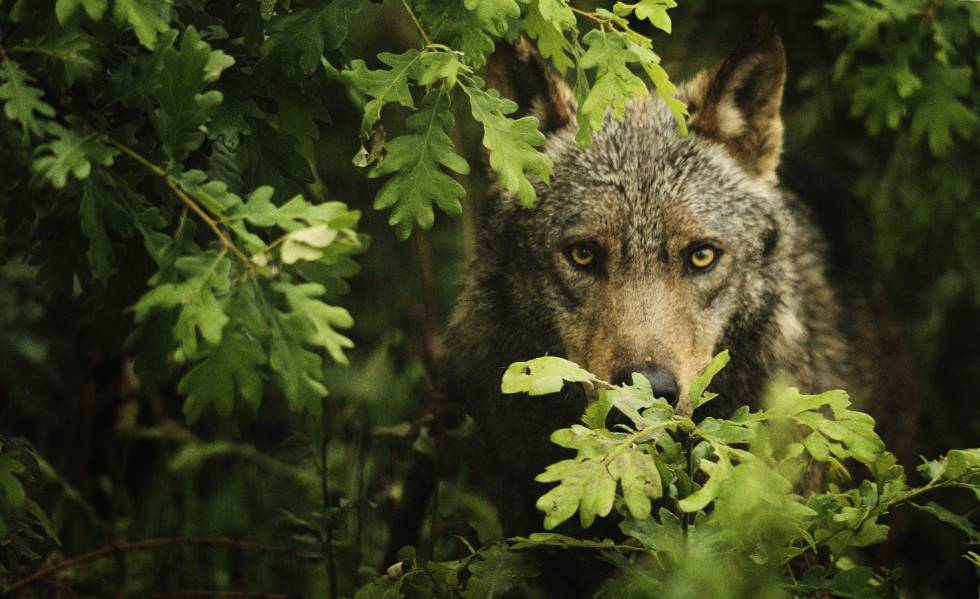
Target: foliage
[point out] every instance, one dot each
(22, 521)
(738, 510)
(180, 288)
(910, 70)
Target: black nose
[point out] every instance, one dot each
(662, 380)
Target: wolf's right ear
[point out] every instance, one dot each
(518, 72)
(737, 101)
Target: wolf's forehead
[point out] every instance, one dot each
(661, 187)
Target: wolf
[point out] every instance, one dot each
(650, 252)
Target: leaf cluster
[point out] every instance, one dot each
(458, 36)
(909, 70)
(770, 494)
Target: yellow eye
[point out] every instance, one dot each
(703, 257)
(582, 255)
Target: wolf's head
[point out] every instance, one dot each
(649, 252)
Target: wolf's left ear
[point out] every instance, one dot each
(737, 101)
(518, 72)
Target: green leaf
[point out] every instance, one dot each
(861, 441)
(213, 195)
(848, 434)
(632, 399)
(314, 231)
(302, 36)
(233, 364)
(383, 86)
(550, 539)
(941, 109)
(452, 24)
(667, 92)
(183, 108)
(321, 318)
(144, 17)
(961, 462)
(857, 582)
(654, 11)
(585, 486)
(79, 53)
(383, 587)
(98, 208)
(955, 520)
(494, 14)
(65, 9)
(307, 244)
(547, 22)
(299, 370)
(700, 383)
(22, 101)
(542, 376)
(718, 472)
(582, 90)
(640, 479)
(72, 152)
(295, 214)
(597, 411)
(35, 510)
(496, 570)
(13, 494)
(196, 297)
(416, 160)
(614, 84)
(438, 67)
(724, 431)
(665, 535)
(232, 118)
(511, 143)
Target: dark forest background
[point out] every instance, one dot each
(889, 164)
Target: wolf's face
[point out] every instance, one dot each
(648, 249)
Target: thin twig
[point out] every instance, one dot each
(418, 25)
(187, 200)
(156, 170)
(600, 21)
(150, 544)
(196, 208)
(586, 14)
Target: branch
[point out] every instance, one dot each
(599, 20)
(151, 544)
(418, 25)
(187, 200)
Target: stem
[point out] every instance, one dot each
(690, 475)
(588, 15)
(187, 200)
(156, 170)
(418, 25)
(145, 545)
(331, 562)
(595, 18)
(884, 509)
